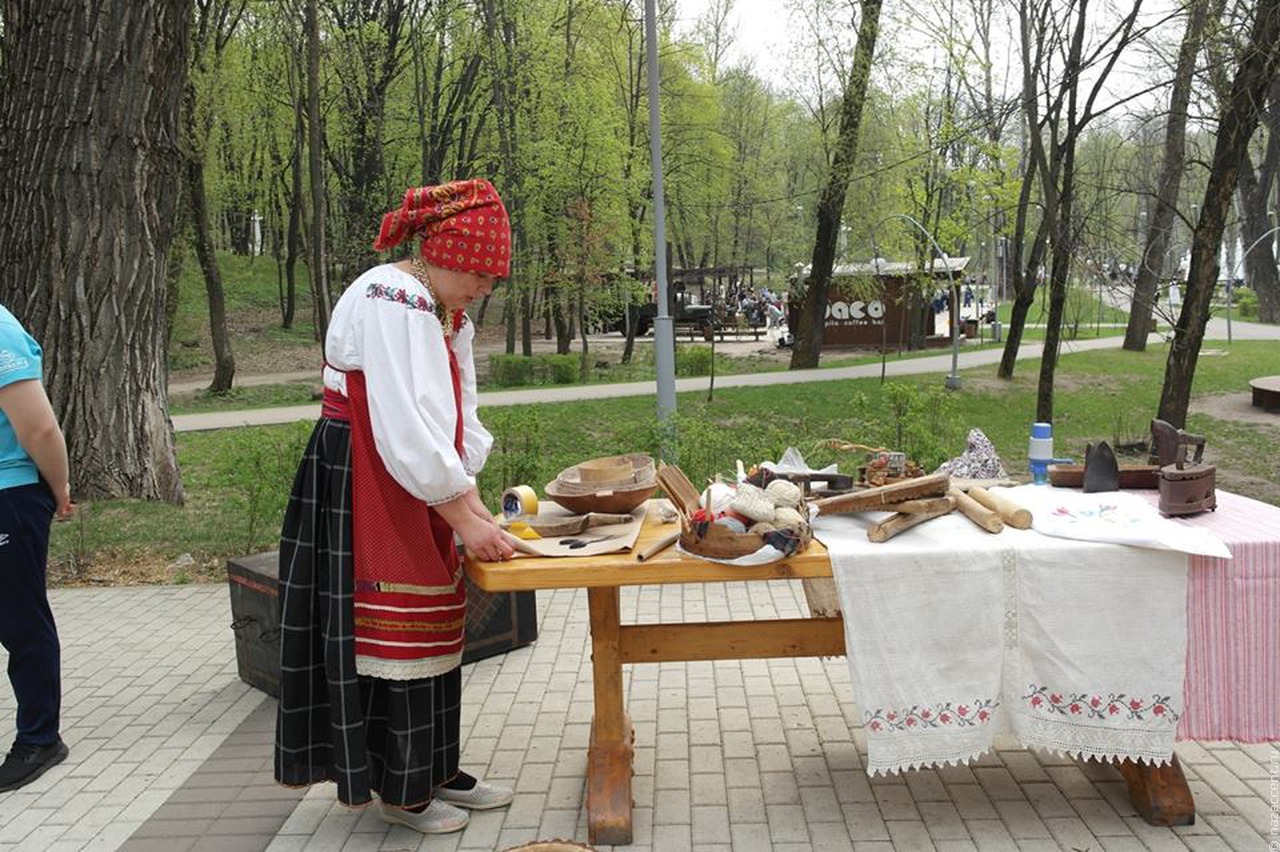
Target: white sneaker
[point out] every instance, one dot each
(481, 797)
(438, 818)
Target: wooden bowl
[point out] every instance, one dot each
(720, 542)
(612, 469)
(610, 473)
(605, 500)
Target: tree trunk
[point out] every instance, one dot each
(813, 307)
(1171, 166)
(1240, 113)
(319, 272)
(293, 237)
(86, 223)
(1252, 190)
(224, 360)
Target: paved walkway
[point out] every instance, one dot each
(939, 364)
(170, 751)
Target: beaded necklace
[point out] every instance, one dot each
(418, 270)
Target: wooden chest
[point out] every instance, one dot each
(496, 622)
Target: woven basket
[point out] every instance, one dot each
(551, 846)
(715, 540)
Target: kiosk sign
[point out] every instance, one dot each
(857, 312)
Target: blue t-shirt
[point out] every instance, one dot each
(19, 361)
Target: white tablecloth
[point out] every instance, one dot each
(955, 636)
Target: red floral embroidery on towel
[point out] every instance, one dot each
(1094, 706)
(945, 715)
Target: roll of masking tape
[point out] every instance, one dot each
(519, 500)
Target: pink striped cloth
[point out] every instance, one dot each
(1233, 626)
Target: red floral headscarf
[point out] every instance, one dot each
(463, 226)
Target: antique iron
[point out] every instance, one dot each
(1186, 487)
(1101, 470)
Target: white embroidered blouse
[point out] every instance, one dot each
(385, 325)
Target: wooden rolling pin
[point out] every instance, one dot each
(1010, 512)
(657, 547)
(976, 512)
(900, 522)
(879, 499)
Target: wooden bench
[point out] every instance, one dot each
(1266, 393)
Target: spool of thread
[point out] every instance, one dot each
(519, 500)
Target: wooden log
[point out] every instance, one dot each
(877, 499)
(976, 512)
(900, 522)
(911, 507)
(1010, 512)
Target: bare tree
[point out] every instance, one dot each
(1255, 73)
(1056, 127)
(215, 22)
(813, 306)
(87, 215)
(322, 305)
(1172, 164)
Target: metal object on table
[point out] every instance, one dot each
(1187, 488)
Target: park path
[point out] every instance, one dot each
(939, 364)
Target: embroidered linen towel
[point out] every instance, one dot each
(923, 637)
(1111, 516)
(955, 636)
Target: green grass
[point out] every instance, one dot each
(237, 480)
(244, 398)
(251, 291)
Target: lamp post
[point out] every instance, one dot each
(1235, 269)
(952, 382)
(664, 355)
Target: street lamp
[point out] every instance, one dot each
(1236, 269)
(952, 381)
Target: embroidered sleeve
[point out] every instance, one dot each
(411, 407)
(476, 439)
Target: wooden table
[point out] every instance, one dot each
(1266, 393)
(1160, 794)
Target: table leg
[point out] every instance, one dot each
(1159, 793)
(610, 756)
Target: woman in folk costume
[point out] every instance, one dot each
(372, 600)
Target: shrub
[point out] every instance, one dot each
(509, 371)
(1247, 302)
(693, 360)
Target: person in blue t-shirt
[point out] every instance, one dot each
(33, 489)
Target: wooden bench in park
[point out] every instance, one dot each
(1266, 393)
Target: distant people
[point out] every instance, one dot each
(773, 315)
(34, 488)
(372, 601)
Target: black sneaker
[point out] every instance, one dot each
(26, 763)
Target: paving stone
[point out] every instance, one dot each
(990, 835)
(942, 821)
(910, 835)
(864, 821)
(787, 823)
(1021, 820)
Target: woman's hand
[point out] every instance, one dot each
(484, 538)
(64, 508)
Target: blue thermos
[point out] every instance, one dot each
(1040, 452)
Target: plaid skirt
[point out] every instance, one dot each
(398, 739)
